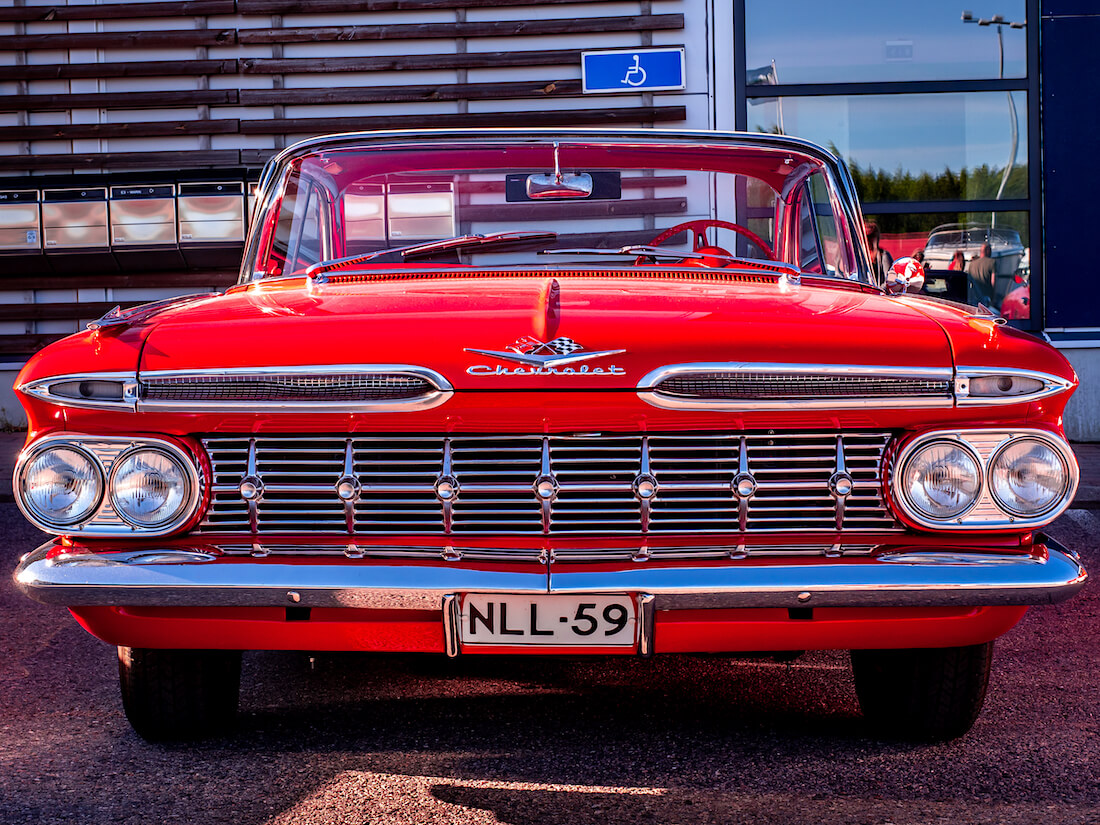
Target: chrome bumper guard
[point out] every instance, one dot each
(907, 577)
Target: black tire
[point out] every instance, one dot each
(179, 695)
(924, 695)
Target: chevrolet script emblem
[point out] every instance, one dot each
(536, 353)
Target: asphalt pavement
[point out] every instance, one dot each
(354, 738)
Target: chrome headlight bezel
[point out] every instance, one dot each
(185, 505)
(987, 513)
(1068, 487)
(106, 451)
(968, 451)
(22, 498)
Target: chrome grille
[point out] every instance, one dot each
(286, 387)
(767, 386)
(590, 484)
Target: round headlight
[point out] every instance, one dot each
(149, 488)
(941, 480)
(62, 486)
(1028, 477)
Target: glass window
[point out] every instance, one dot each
(876, 40)
(949, 241)
(948, 146)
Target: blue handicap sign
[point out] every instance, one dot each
(632, 70)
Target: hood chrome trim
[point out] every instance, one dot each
(134, 386)
(650, 392)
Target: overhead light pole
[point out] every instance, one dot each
(999, 21)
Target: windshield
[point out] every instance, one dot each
(575, 202)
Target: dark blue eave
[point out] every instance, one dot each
(1071, 174)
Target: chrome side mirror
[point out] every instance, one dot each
(906, 275)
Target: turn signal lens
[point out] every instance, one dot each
(1000, 386)
(1028, 478)
(62, 486)
(149, 488)
(942, 480)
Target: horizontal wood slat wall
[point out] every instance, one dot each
(210, 111)
(225, 84)
(195, 8)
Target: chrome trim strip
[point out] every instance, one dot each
(1052, 385)
(443, 390)
(451, 622)
(133, 385)
(648, 386)
(647, 620)
(41, 388)
(119, 527)
(984, 513)
(908, 576)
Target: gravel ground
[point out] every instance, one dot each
(402, 739)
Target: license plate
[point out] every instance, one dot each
(550, 621)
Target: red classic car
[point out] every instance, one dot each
(570, 392)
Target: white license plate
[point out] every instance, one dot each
(550, 621)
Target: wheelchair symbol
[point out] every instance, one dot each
(635, 75)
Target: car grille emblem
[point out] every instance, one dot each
(544, 356)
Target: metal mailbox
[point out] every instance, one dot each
(20, 221)
(420, 211)
(364, 217)
(74, 219)
(143, 216)
(211, 213)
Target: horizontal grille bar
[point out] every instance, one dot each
(541, 555)
(547, 485)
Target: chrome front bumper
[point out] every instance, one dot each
(899, 577)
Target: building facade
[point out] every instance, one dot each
(130, 132)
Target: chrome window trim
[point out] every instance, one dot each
(118, 528)
(986, 513)
(1052, 385)
(132, 385)
(647, 387)
(272, 177)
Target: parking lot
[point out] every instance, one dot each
(392, 739)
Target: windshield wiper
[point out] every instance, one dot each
(643, 251)
(500, 241)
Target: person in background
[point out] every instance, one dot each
(881, 260)
(981, 276)
(958, 262)
(918, 255)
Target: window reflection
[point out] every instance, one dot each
(877, 40)
(939, 237)
(944, 146)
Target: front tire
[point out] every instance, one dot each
(924, 695)
(178, 695)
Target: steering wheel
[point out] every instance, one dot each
(698, 229)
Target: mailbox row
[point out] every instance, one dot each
(157, 216)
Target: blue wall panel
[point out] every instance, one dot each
(1071, 174)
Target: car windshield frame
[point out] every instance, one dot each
(712, 147)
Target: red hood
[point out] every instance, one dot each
(653, 323)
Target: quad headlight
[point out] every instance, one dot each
(61, 485)
(149, 488)
(1028, 477)
(107, 486)
(984, 479)
(942, 480)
